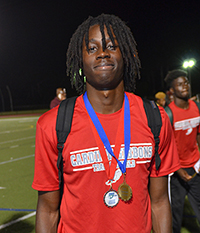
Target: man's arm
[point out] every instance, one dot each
(198, 140)
(182, 173)
(47, 214)
(160, 206)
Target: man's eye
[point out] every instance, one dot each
(111, 47)
(92, 49)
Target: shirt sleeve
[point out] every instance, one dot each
(46, 154)
(167, 149)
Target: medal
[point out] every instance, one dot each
(125, 191)
(111, 198)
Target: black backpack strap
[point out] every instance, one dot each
(169, 113)
(155, 123)
(63, 128)
(198, 105)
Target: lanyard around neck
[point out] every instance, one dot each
(102, 133)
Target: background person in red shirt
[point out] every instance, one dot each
(61, 94)
(186, 127)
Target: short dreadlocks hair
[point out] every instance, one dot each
(126, 43)
(174, 74)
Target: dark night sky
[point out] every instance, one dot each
(34, 36)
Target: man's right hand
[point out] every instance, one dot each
(184, 175)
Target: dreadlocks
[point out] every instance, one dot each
(174, 74)
(126, 43)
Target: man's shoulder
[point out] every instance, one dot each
(48, 118)
(55, 99)
(195, 104)
(171, 105)
(134, 99)
(132, 95)
(51, 115)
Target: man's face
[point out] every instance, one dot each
(62, 94)
(180, 88)
(103, 69)
(161, 102)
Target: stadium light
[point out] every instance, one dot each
(188, 64)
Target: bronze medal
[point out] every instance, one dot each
(125, 191)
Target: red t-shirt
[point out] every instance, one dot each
(55, 102)
(85, 179)
(186, 126)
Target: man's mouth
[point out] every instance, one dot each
(104, 66)
(185, 91)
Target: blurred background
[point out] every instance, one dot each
(34, 36)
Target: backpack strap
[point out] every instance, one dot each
(198, 105)
(154, 123)
(63, 128)
(169, 113)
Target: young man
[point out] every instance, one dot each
(186, 120)
(160, 98)
(116, 189)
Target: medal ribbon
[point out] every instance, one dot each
(102, 133)
(110, 167)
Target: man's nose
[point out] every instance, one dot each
(103, 54)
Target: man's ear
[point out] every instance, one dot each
(171, 90)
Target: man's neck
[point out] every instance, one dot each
(106, 101)
(181, 103)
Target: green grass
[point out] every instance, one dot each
(40, 111)
(17, 145)
(190, 223)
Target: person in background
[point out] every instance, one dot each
(112, 190)
(194, 97)
(160, 98)
(185, 118)
(61, 94)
